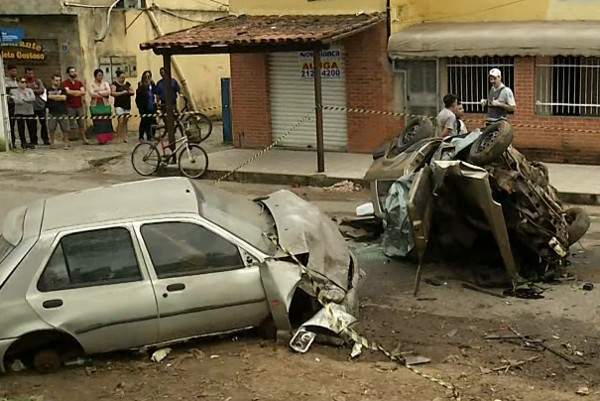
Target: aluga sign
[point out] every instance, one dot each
(332, 66)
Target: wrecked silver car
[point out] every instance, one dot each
(171, 259)
(473, 195)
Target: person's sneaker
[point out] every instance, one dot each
(30, 146)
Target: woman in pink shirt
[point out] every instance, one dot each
(100, 94)
(99, 89)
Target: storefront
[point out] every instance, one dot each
(272, 77)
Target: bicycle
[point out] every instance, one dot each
(195, 125)
(192, 159)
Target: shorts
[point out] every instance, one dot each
(55, 122)
(121, 111)
(78, 112)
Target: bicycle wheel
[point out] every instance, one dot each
(145, 159)
(198, 127)
(193, 161)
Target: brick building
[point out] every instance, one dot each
(553, 68)
(269, 94)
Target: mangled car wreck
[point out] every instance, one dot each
(475, 196)
(174, 260)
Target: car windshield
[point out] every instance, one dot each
(246, 219)
(5, 248)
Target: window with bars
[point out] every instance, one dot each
(468, 78)
(568, 86)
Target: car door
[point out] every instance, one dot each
(202, 284)
(92, 286)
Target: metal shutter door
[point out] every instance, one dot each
(293, 96)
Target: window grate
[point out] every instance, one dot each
(568, 86)
(468, 78)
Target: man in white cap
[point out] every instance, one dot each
(501, 99)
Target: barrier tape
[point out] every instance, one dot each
(161, 114)
(293, 127)
(352, 334)
(474, 120)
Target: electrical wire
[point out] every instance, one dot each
(107, 25)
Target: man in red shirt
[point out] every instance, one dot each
(75, 102)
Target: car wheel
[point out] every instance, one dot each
(46, 361)
(417, 129)
(579, 222)
(492, 143)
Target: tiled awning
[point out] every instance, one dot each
(262, 33)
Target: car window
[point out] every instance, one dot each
(98, 257)
(181, 249)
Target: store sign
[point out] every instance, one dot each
(332, 66)
(11, 34)
(27, 51)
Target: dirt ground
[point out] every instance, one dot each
(447, 323)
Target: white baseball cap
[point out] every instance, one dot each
(494, 72)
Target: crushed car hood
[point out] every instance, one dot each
(303, 229)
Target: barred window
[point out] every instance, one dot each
(468, 78)
(568, 86)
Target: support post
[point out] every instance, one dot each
(318, 109)
(169, 109)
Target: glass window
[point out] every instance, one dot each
(468, 78)
(89, 258)
(183, 249)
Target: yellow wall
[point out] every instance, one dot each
(299, 7)
(409, 12)
(202, 73)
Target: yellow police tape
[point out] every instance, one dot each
(350, 334)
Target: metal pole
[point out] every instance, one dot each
(169, 104)
(318, 109)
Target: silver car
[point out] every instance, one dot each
(164, 260)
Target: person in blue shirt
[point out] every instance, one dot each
(161, 92)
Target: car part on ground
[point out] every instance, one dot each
(153, 252)
(461, 192)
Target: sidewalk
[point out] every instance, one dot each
(575, 183)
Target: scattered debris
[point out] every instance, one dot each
(510, 364)
(529, 292)
(451, 333)
(426, 299)
(482, 290)
(160, 354)
(434, 281)
(302, 340)
(583, 390)
(412, 360)
(17, 366)
(214, 356)
(588, 286)
(356, 350)
(344, 186)
(78, 361)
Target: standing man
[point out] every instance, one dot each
(75, 102)
(161, 91)
(11, 84)
(39, 106)
(446, 119)
(57, 111)
(501, 99)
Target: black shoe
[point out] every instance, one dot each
(31, 145)
(46, 143)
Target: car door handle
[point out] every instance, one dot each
(176, 287)
(53, 303)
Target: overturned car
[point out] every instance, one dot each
(472, 195)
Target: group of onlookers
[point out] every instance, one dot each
(63, 105)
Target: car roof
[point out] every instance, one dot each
(119, 202)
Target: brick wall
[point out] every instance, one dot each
(250, 106)
(369, 86)
(546, 144)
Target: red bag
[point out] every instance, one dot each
(104, 138)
